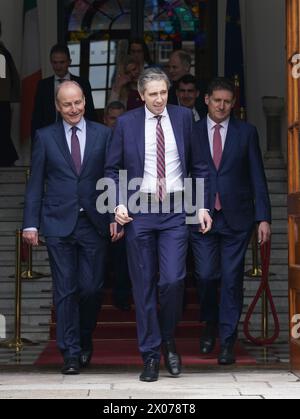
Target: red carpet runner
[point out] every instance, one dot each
(115, 339)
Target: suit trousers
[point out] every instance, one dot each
(219, 265)
(78, 266)
(157, 243)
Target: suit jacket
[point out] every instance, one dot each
(55, 192)
(240, 180)
(127, 150)
(44, 112)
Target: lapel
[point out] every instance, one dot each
(61, 141)
(206, 146)
(140, 136)
(176, 123)
(231, 141)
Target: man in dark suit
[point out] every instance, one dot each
(239, 200)
(153, 144)
(45, 112)
(67, 161)
(188, 93)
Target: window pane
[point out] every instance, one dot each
(99, 99)
(98, 52)
(98, 77)
(75, 53)
(113, 52)
(75, 71)
(112, 74)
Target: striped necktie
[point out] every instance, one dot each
(161, 188)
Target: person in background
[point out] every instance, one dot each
(122, 286)
(9, 93)
(112, 112)
(139, 51)
(178, 66)
(45, 112)
(124, 88)
(239, 201)
(188, 95)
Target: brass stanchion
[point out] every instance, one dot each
(256, 271)
(17, 342)
(29, 273)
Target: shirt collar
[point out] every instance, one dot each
(211, 124)
(150, 115)
(80, 125)
(67, 77)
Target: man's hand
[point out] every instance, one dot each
(264, 232)
(122, 217)
(205, 221)
(115, 236)
(31, 237)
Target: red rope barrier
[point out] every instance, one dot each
(264, 287)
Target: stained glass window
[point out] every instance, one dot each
(98, 32)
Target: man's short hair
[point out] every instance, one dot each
(60, 49)
(221, 83)
(152, 74)
(188, 79)
(116, 105)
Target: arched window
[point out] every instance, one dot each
(98, 31)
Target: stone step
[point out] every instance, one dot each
(278, 200)
(277, 187)
(279, 213)
(273, 163)
(11, 214)
(276, 174)
(17, 189)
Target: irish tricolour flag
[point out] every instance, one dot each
(31, 65)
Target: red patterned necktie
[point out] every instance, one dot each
(161, 188)
(75, 150)
(217, 156)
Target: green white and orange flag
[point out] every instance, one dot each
(31, 65)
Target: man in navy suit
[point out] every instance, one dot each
(239, 201)
(153, 144)
(45, 112)
(67, 161)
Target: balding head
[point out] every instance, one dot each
(70, 102)
(179, 64)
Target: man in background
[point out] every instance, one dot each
(45, 112)
(9, 93)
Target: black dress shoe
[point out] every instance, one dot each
(226, 356)
(151, 371)
(85, 358)
(70, 367)
(208, 339)
(172, 358)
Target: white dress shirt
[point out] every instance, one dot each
(174, 174)
(211, 129)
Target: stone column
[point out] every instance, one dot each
(273, 107)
